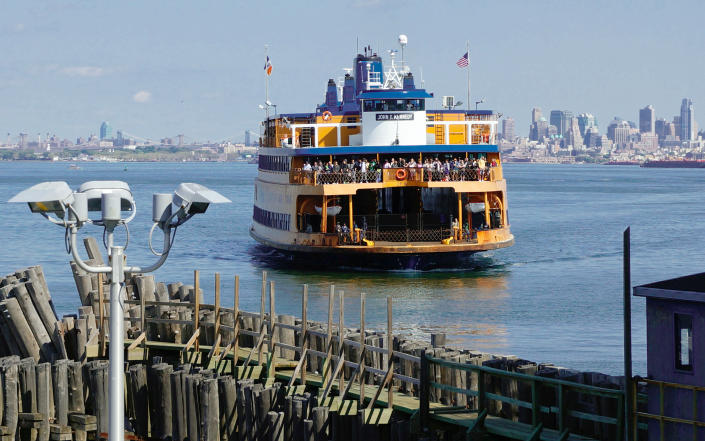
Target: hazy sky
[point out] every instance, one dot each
(160, 68)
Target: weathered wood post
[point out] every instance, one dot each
(160, 400)
(210, 419)
(275, 422)
(227, 394)
(196, 308)
(101, 312)
(44, 402)
(216, 319)
(179, 430)
(272, 363)
(61, 393)
(139, 396)
(390, 348)
(98, 375)
(304, 334)
(192, 414)
(362, 355)
(236, 322)
(341, 337)
(424, 391)
(327, 366)
(261, 313)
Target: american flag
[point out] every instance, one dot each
(464, 61)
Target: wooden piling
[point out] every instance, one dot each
(227, 395)
(139, 398)
(160, 400)
(192, 407)
(98, 377)
(361, 360)
(10, 396)
(210, 410)
(275, 422)
(13, 316)
(60, 377)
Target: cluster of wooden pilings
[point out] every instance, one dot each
(211, 371)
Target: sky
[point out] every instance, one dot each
(161, 68)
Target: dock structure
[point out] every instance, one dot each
(217, 372)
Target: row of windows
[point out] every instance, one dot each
(274, 163)
(393, 105)
(271, 219)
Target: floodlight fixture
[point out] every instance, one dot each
(111, 199)
(195, 198)
(94, 191)
(46, 197)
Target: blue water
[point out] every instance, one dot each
(555, 296)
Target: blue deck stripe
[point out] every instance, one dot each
(396, 149)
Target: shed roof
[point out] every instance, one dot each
(687, 288)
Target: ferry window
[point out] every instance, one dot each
(684, 341)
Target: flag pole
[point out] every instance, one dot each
(468, 53)
(266, 86)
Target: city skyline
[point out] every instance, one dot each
(161, 71)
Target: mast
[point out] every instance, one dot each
(266, 85)
(467, 47)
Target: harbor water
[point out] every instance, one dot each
(555, 296)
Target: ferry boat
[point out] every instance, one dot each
(375, 178)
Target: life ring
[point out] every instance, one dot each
(327, 115)
(401, 174)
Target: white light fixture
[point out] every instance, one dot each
(111, 199)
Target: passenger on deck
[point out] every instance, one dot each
(307, 166)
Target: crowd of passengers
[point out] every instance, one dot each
(435, 170)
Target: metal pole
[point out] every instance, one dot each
(117, 386)
(467, 47)
(627, 337)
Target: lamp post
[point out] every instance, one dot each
(482, 100)
(56, 202)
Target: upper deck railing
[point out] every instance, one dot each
(409, 175)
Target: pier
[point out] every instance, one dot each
(214, 371)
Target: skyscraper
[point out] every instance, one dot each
(660, 128)
(535, 114)
(106, 130)
(508, 129)
(687, 120)
(585, 121)
(647, 120)
(562, 120)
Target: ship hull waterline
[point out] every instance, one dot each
(395, 257)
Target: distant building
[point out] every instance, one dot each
(660, 128)
(508, 129)
(552, 131)
(106, 130)
(535, 115)
(23, 140)
(585, 121)
(592, 137)
(573, 136)
(687, 121)
(648, 141)
(647, 120)
(622, 133)
(120, 141)
(250, 137)
(562, 120)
